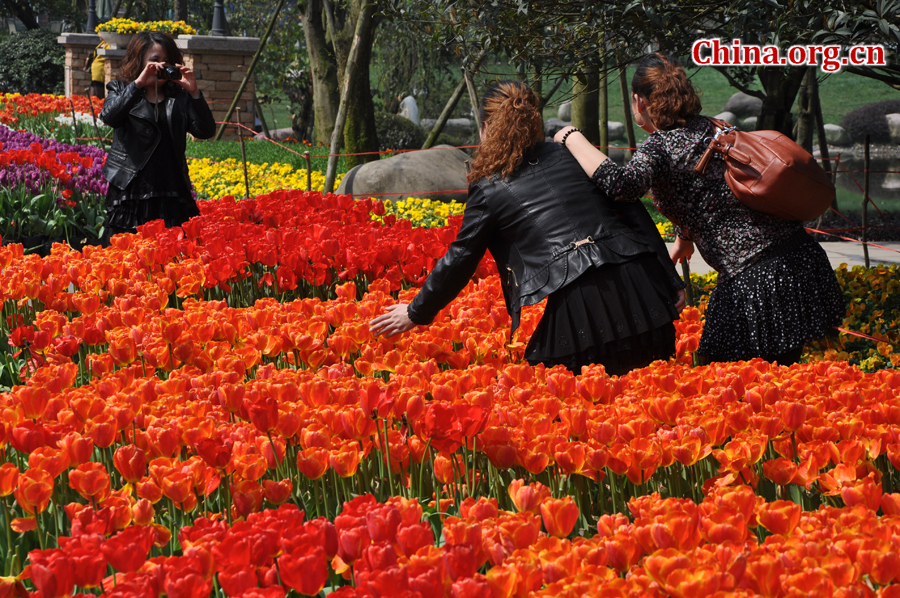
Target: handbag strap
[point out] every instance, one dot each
(722, 127)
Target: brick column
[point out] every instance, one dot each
(78, 47)
(220, 64)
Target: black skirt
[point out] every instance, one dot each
(618, 315)
(788, 297)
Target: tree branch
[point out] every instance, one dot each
(739, 86)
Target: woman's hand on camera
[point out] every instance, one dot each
(149, 74)
(188, 81)
(395, 320)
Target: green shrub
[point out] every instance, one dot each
(33, 62)
(871, 119)
(396, 132)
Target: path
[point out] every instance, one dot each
(838, 253)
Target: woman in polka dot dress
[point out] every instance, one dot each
(776, 289)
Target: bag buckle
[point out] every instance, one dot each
(585, 241)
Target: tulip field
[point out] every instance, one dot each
(203, 412)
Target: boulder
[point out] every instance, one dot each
(894, 125)
(616, 130)
(565, 111)
(277, 134)
(743, 105)
(411, 174)
(749, 123)
(553, 125)
(729, 117)
(836, 135)
(460, 128)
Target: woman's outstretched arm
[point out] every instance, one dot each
(588, 156)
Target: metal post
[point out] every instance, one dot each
(689, 289)
(96, 128)
(74, 120)
(243, 152)
(308, 171)
(92, 20)
(865, 204)
(219, 23)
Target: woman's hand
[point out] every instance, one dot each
(681, 249)
(680, 299)
(395, 320)
(562, 133)
(588, 156)
(149, 74)
(188, 81)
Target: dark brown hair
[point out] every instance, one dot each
(510, 109)
(669, 93)
(140, 44)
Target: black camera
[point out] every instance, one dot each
(169, 72)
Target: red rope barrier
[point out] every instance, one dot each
(814, 230)
(866, 336)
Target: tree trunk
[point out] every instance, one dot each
(359, 130)
(805, 120)
(181, 10)
(324, 71)
(24, 12)
(626, 106)
(604, 109)
(586, 103)
(781, 86)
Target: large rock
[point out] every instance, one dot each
(616, 130)
(277, 134)
(836, 135)
(411, 174)
(749, 123)
(565, 111)
(553, 125)
(729, 117)
(743, 105)
(894, 125)
(460, 128)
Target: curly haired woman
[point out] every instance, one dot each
(612, 291)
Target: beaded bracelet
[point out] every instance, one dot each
(566, 136)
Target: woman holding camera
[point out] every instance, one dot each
(151, 108)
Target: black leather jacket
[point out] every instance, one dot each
(544, 227)
(135, 134)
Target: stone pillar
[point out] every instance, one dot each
(112, 59)
(78, 47)
(220, 64)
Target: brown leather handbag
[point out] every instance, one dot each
(770, 173)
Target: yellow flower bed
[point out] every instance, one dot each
(426, 213)
(665, 229)
(215, 179)
(128, 26)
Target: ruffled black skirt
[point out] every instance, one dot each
(128, 214)
(618, 315)
(772, 308)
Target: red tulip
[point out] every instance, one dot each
(559, 516)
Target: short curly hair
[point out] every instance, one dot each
(669, 93)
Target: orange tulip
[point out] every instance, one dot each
(9, 478)
(528, 498)
(780, 517)
(313, 462)
(345, 460)
(559, 516)
(90, 480)
(53, 461)
(131, 462)
(34, 491)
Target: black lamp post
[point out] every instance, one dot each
(219, 24)
(92, 21)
